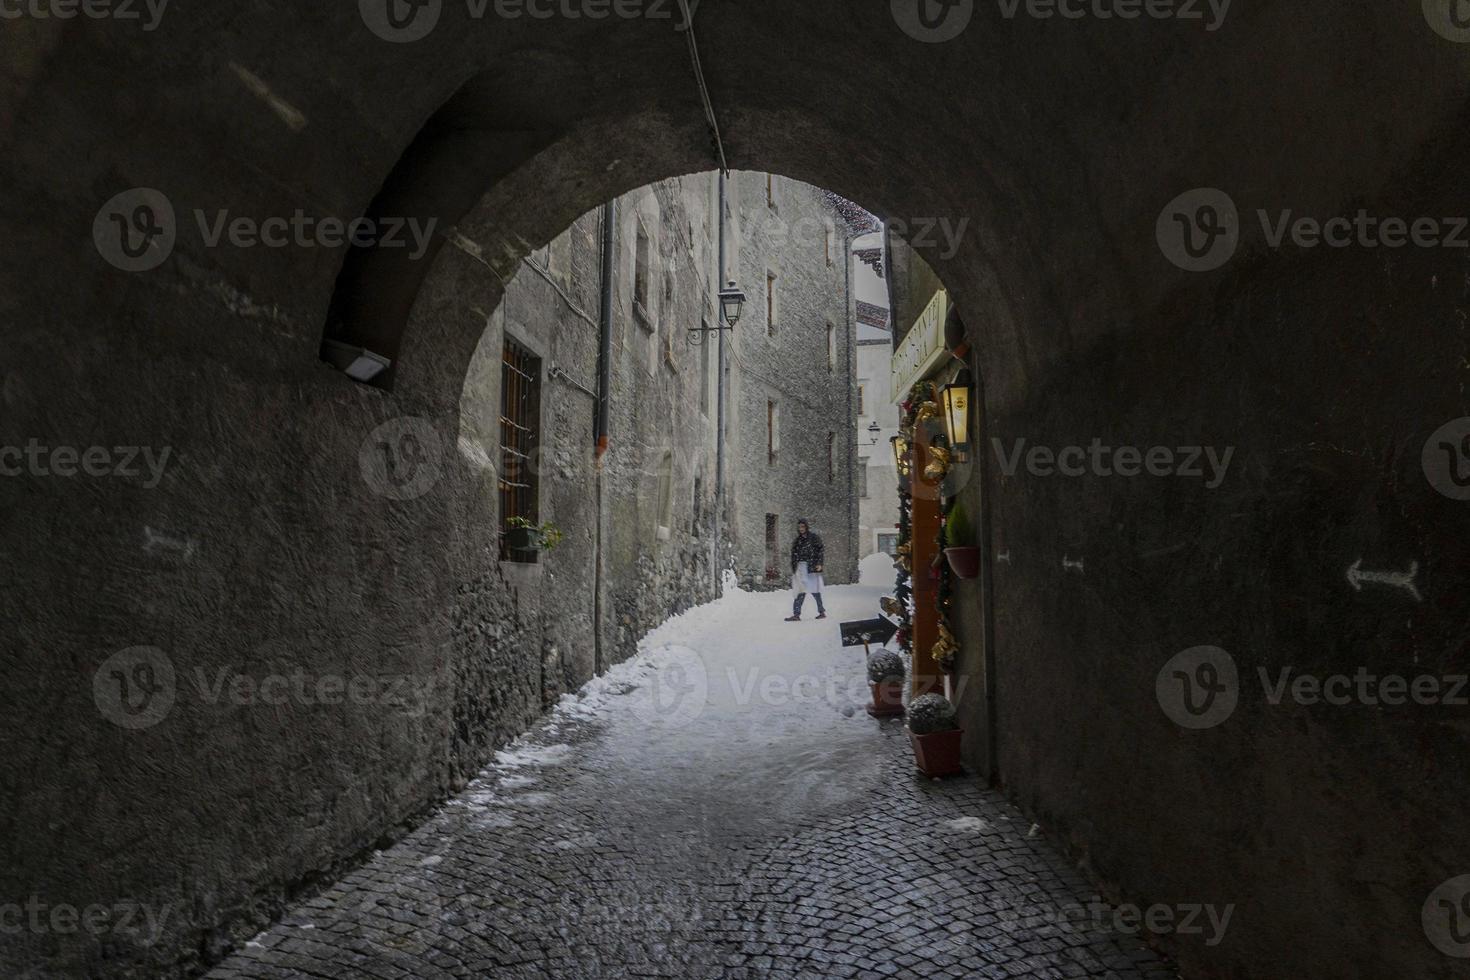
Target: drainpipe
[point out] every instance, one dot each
(855, 546)
(720, 403)
(604, 350)
(604, 412)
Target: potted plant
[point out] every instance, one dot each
(524, 535)
(935, 733)
(885, 673)
(959, 538)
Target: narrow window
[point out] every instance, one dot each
(862, 406)
(831, 457)
(697, 511)
(643, 253)
(520, 424)
(666, 496)
(773, 430)
(666, 322)
(831, 348)
(862, 476)
(771, 191)
(773, 548)
(770, 304)
(831, 236)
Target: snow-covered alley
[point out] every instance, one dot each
(719, 807)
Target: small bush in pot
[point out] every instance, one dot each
(885, 665)
(959, 542)
(885, 674)
(930, 713)
(935, 733)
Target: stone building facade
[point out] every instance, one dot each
(792, 366)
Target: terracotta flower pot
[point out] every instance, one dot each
(887, 699)
(938, 753)
(964, 561)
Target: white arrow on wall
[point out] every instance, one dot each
(1398, 580)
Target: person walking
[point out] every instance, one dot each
(807, 553)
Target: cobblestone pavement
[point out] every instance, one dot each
(720, 807)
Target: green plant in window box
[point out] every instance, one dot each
(526, 535)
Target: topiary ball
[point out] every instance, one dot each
(931, 713)
(885, 665)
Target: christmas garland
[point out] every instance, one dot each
(921, 405)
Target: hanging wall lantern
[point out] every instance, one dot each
(957, 415)
(732, 303)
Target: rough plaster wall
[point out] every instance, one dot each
(649, 579)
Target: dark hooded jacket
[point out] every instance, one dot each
(807, 548)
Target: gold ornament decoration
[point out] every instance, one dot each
(938, 464)
(927, 411)
(945, 649)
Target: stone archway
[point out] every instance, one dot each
(1061, 140)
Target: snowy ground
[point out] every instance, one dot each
(720, 805)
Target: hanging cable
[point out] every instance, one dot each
(709, 106)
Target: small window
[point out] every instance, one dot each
(831, 348)
(666, 496)
(862, 405)
(773, 547)
(642, 259)
(771, 191)
(862, 476)
(831, 457)
(520, 435)
(770, 304)
(697, 511)
(831, 243)
(773, 430)
(666, 321)
(888, 544)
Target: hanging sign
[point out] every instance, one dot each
(922, 348)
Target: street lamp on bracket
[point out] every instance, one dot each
(732, 304)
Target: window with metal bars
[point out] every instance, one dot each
(520, 435)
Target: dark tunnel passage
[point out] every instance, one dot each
(1204, 269)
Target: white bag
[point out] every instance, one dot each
(806, 581)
